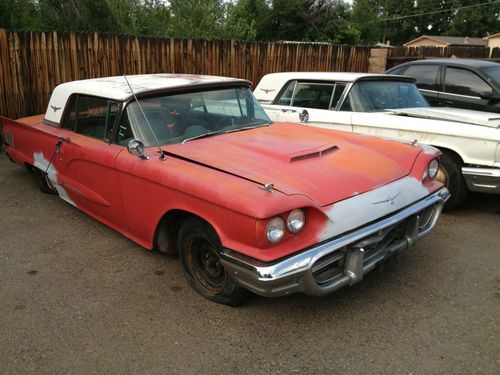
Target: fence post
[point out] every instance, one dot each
(377, 60)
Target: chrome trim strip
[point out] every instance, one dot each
(459, 95)
(430, 91)
(294, 274)
(487, 172)
(482, 180)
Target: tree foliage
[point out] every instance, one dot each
(335, 21)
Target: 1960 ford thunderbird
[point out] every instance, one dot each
(192, 164)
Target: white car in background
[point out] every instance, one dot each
(392, 107)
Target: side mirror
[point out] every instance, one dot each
(136, 147)
(304, 116)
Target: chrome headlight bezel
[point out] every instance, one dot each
(296, 220)
(433, 168)
(275, 229)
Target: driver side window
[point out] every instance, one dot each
(90, 116)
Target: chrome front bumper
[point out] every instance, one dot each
(340, 261)
(483, 180)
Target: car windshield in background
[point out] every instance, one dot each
(178, 118)
(493, 73)
(377, 96)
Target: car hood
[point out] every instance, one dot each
(324, 165)
(468, 116)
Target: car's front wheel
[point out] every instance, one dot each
(199, 249)
(450, 175)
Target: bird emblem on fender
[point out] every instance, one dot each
(388, 199)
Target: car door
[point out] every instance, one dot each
(427, 79)
(85, 161)
(463, 88)
(314, 103)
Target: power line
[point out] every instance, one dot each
(440, 11)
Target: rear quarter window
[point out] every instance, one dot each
(426, 76)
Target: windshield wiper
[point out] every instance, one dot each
(222, 131)
(203, 135)
(246, 128)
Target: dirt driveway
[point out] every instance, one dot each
(77, 297)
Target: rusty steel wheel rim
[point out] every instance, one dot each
(49, 183)
(204, 262)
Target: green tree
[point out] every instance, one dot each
(196, 19)
(433, 17)
(476, 21)
(248, 20)
(366, 18)
(18, 15)
(76, 15)
(148, 17)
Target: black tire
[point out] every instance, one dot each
(199, 249)
(451, 172)
(44, 183)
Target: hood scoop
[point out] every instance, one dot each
(324, 150)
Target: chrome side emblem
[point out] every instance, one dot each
(267, 90)
(388, 199)
(55, 108)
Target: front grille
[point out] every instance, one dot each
(375, 245)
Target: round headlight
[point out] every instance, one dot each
(275, 229)
(433, 168)
(296, 220)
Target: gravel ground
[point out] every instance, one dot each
(77, 297)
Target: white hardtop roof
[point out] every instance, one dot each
(116, 88)
(271, 84)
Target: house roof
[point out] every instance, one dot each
(451, 40)
(497, 35)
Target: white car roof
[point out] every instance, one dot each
(270, 85)
(116, 88)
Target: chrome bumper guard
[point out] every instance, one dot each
(482, 180)
(341, 261)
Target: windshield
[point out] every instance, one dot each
(493, 74)
(376, 96)
(178, 118)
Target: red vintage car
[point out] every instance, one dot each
(192, 164)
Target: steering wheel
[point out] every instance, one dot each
(222, 122)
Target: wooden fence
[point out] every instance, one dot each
(399, 55)
(33, 63)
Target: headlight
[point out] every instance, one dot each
(433, 168)
(296, 220)
(275, 229)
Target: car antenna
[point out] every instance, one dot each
(162, 153)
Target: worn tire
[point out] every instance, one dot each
(199, 249)
(44, 183)
(451, 165)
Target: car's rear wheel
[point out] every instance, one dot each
(199, 250)
(44, 184)
(450, 175)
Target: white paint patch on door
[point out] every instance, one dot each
(42, 163)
